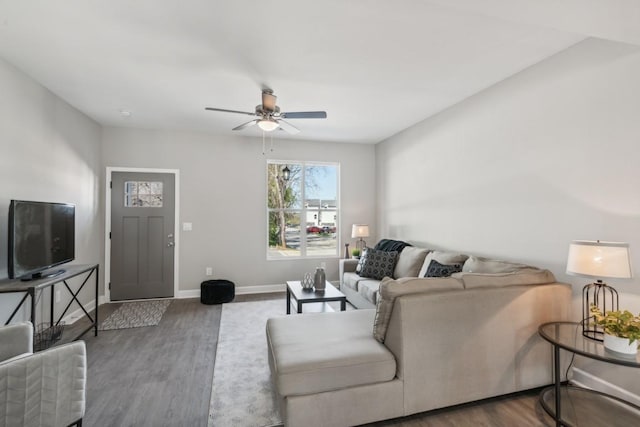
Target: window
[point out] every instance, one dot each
(302, 211)
(143, 194)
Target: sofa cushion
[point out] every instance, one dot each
(369, 289)
(350, 280)
(492, 266)
(308, 353)
(391, 289)
(442, 257)
(524, 276)
(379, 264)
(409, 262)
(436, 269)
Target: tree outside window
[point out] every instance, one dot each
(303, 211)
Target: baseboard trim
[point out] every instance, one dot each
(260, 289)
(240, 290)
(195, 293)
(191, 293)
(72, 317)
(584, 379)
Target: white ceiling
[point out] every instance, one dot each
(375, 66)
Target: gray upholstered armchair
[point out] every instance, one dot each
(40, 389)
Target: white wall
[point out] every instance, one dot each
(223, 193)
(521, 169)
(49, 151)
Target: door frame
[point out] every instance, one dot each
(107, 225)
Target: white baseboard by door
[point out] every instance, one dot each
(240, 290)
(190, 293)
(584, 379)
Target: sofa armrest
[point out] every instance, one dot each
(499, 326)
(347, 266)
(16, 339)
(48, 385)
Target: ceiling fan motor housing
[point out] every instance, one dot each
(265, 112)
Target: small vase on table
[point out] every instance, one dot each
(319, 282)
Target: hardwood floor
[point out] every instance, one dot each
(518, 410)
(162, 375)
(154, 376)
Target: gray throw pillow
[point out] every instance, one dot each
(436, 269)
(363, 258)
(379, 264)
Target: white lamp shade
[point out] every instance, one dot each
(599, 259)
(359, 230)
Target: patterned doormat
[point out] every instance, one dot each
(135, 315)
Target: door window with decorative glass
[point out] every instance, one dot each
(302, 209)
(143, 194)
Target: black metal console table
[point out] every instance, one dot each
(33, 287)
(571, 405)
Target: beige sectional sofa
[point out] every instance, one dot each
(362, 291)
(430, 343)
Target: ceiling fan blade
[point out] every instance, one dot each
(305, 115)
(268, 100)
(288, 127)
(229, 111)
(246, 125)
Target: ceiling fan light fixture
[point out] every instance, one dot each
(268, 125)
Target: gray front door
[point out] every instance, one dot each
(142, 240)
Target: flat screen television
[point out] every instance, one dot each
(41, 236)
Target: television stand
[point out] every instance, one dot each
(34, 288)
(40, 275)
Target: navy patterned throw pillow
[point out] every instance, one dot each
(436, 269)
(379, 264)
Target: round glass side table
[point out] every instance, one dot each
(575, 406)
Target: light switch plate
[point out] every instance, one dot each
(187, 226)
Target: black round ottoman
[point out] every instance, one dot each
(217, 291)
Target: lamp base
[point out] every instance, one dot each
(605, 298)
(361, 244)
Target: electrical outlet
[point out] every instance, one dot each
(209, 271)
(57, 296)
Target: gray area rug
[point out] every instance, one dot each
(242, 393)
(135, 314)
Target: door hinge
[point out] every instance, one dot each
(110, 184)
(109, 235)
(109, 285)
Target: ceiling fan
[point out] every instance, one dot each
(269, 117)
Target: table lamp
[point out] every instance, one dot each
(598, 260)
(359, 231)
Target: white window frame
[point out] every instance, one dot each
(303, 210)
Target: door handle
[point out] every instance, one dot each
(170, 244)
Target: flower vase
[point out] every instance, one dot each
(319, 281)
